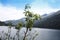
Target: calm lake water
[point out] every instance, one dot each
(43, 34)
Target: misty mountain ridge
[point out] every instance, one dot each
(15, 22)
(47, 21)
(51, 21)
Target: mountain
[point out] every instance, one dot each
(15, 22)
(47, 21)
(51, 21)
(2, 23)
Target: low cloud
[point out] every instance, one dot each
(37, 6)
(10, 13)
(41, 7)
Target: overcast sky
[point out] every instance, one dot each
(13, 9)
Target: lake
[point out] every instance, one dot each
(43, 34)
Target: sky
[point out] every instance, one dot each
(13, 9)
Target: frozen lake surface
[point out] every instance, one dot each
(43, 34)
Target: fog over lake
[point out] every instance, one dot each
(43, 34)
